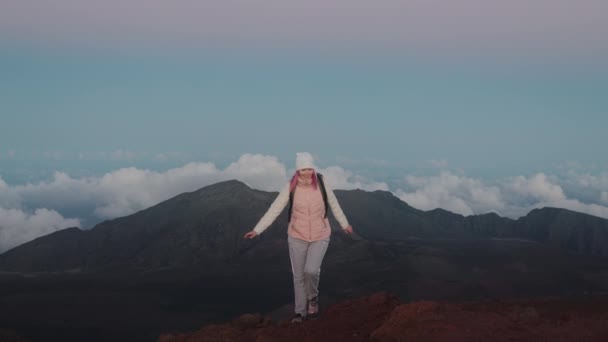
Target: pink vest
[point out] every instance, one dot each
(307, 216)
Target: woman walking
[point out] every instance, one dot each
(308, 230)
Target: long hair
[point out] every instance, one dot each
(294, 180)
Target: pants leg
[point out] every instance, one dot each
(312, 266)
(297, 253)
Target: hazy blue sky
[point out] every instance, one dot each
(516, 118)
(470, 105)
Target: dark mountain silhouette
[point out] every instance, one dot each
(199, 227)
(205, 227)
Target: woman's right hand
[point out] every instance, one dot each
(250, 235)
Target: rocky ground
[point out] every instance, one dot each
(381, 317)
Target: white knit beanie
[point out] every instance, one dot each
(304, 160)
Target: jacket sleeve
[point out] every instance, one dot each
(274, 211)
(335, 207)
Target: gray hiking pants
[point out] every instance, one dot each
(306, 258)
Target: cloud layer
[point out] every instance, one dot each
(34, 209)
(31, 210)
(17, 226)
(513, 197)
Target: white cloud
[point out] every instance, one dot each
(513, 197)
(455, 193)
(12, 153)
(258, 171)
(17, 226)
(537, 187)
(127, 190)
(586, 184)
(541, 191)
(590, 181)
(339, 178)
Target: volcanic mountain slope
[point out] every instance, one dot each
(205, 228)
(382, 317)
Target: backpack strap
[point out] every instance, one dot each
(323, 191)
(290, 204)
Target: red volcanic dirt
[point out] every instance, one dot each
(380, 317)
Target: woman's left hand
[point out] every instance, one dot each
(349, 229)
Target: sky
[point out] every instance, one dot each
(473, 106)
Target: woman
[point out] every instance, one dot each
(308, 230)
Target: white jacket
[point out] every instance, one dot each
(283, 199)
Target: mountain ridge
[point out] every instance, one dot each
(205, 226)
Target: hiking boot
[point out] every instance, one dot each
(313, 306)
(297, 318)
